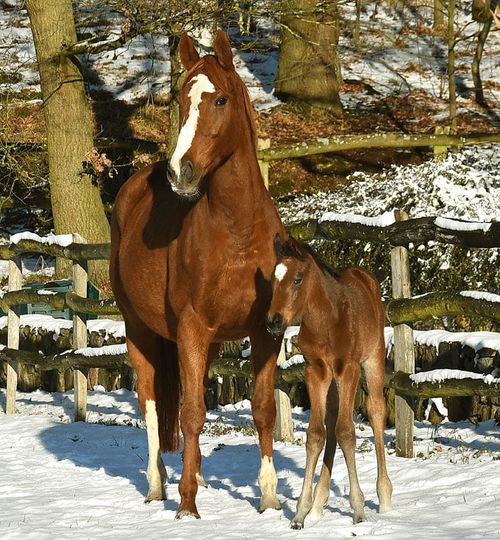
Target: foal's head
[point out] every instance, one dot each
(290, 284)
(216, 114)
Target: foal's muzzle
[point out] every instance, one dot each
(276, 325)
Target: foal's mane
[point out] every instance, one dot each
(228, 81)
(300, 250)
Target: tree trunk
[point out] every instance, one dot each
(438, 23)
(309, 70)
(476, 62)
(76, 202)
(175, 85)
(452, 93)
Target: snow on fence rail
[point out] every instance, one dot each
(394, 231)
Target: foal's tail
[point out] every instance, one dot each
(168, 393)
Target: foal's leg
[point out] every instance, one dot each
(322, 490)
(193, 343)
(347, 382)
(265, 351)
(144, 349)
(374, 372)
(318, 382)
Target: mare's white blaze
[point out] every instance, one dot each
(154, 474)
(280, 271)
(267, 477)
(201, 85)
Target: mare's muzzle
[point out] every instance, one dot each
(186, 183)
(276, 326)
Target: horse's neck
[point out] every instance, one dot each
(236, 191)
(323, 297)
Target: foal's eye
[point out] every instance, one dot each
(297, 280)
(221, 101)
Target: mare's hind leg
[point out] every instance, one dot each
(347, 382)
(144, 349)
(318, 381)
(322, 490)
(374, 372)
(265, 351)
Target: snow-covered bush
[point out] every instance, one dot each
(465, 185)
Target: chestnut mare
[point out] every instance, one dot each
(192, 260)
(342, 328)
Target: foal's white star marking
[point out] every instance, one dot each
(280, 271)
(201, 85)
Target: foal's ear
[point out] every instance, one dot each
(222, 50)
(188, 53)
(278, 245)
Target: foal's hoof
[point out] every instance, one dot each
(186, 513)
(269, 502)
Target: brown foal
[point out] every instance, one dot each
(191, 267)
(342, 328)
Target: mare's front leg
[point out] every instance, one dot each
(193, 341)
(144, 349)
(318, 378)
(265, 351)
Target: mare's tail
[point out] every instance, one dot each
(168, 395)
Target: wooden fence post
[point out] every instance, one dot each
(283, 429)
(404, 359)
(263, 144)
(80, 279)
(440, 152)
(13, 324)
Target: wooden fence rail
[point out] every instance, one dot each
(342, 143)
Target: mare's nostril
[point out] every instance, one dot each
(187, 171)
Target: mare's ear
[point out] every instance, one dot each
(222, 50)
(188, 53)
(278, 245)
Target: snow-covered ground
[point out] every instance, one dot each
(66, 480)
(398, 54)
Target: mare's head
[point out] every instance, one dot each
(216, 115)
(290, 284)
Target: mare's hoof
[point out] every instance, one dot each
(358, 518)
(383, 508)
(155, 497)
(297, 525)
(187, 513)
(270, 502)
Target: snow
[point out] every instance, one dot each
(481, 295)
(88, 480)
(105, 350)
(384, 220)
(292, 361)
(438, 403)
(440, 375)
(454, 225)
(475, 340)
(63, 240)
(49, 324)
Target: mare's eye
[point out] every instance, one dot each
(297, 280)
(221, 101)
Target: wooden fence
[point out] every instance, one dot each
(401, 311)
